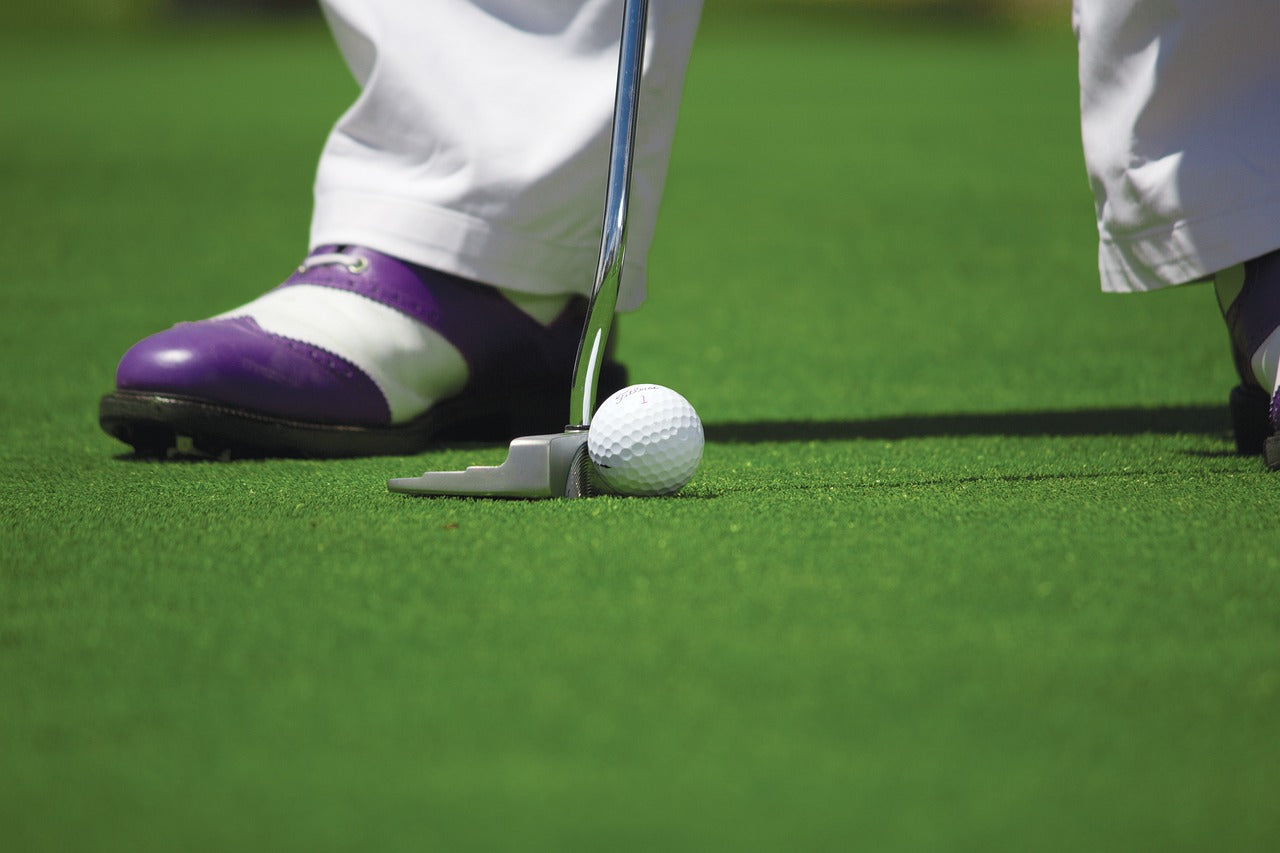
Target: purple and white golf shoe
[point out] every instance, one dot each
(357, 353)
(1249, 295)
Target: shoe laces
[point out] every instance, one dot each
(353, 263)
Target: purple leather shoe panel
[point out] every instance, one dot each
(503, 346)
(385, 279)
(236, 363)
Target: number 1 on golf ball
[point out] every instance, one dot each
(645, 440)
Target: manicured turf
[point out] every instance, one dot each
(969, 564)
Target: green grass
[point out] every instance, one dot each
(969, 563)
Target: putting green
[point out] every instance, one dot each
(969, 563)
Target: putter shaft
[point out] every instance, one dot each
(613, 240)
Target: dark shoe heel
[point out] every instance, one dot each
(1250, 419)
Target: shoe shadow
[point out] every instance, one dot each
(185, 458)
(1129, 420)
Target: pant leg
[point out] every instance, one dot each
(1180, 117)
(479, 142)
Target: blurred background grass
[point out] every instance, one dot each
(93, 14)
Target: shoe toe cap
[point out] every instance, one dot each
(235, 363)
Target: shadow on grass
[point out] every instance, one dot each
(1164, 420)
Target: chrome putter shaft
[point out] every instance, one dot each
(556, 465)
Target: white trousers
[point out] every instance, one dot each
(479, 142)
(1180, 116)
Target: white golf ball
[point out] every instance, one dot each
(645, 440)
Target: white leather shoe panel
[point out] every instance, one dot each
(413, 364)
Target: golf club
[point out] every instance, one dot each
(557, 465)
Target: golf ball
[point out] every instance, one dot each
(645, 440)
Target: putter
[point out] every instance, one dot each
(557, 465)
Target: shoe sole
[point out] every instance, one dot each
(157, 425)
(1271, 452)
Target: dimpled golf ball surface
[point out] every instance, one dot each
(645, 440)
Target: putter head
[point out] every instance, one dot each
(537, 466)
